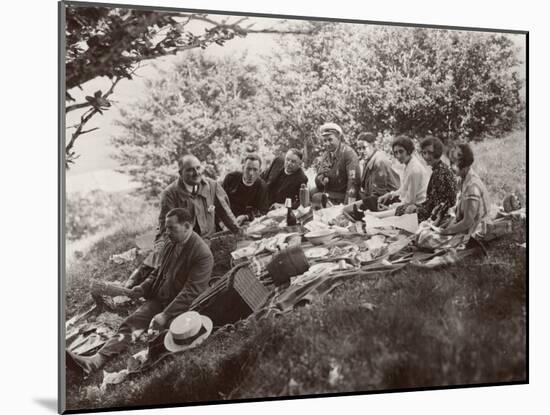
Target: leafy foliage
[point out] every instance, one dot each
(103, 41)
(398, 80)
(454, 84)
(204, 107)
(112, 42)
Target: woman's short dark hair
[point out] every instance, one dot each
(253, 157)
(405, 142)
(430, 140)
(182, 214)
(296, 152)
(466, 156)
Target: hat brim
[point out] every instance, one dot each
(330, 131)
(171, 345)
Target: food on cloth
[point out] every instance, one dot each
(339, 229)
(279, 241)
(340, 220)
(364, 256)
(378, 252)
(302, 211)
(392, 233)
(273, 244)
(316, 252)
(261, 225)
(256, 229)
(244, 252)
(315, 225)
(277, 213)
(375, 242)
(376, 246)
(320, 237)
(408, 222)
(328, 214)
(325, 266)
(315, 271)
(346, 251)
(343, 265)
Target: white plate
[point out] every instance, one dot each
(312, 253)
(277, 213)
(325, 266)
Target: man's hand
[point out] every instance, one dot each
(410, 209)
(159, 243)
(158, 322)
(241, 219)
(324, 181)
(384, 199)
(136, 292)
(446, 231)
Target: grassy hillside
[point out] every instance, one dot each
(465, 324)
(501, 165)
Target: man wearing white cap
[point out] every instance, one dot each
(186, 263)
(339, 170)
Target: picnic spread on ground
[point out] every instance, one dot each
(273, 268)
(261, 244)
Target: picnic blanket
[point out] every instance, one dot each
(398, 253)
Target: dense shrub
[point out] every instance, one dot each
(390, 80)
(394, 80)
(202, 106)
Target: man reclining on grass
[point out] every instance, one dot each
(184, 270)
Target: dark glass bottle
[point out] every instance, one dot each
(290, 216)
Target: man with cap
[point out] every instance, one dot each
(378, 176)
(184, 270)
(339, 168)
(203, 196)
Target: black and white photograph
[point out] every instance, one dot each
(259, 207)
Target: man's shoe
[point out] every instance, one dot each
(84, 364)
(138, 276)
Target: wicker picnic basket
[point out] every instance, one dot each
(233, 297)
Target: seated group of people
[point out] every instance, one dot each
(448, 209)
(180, 265)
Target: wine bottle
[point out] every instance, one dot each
(290, 216)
